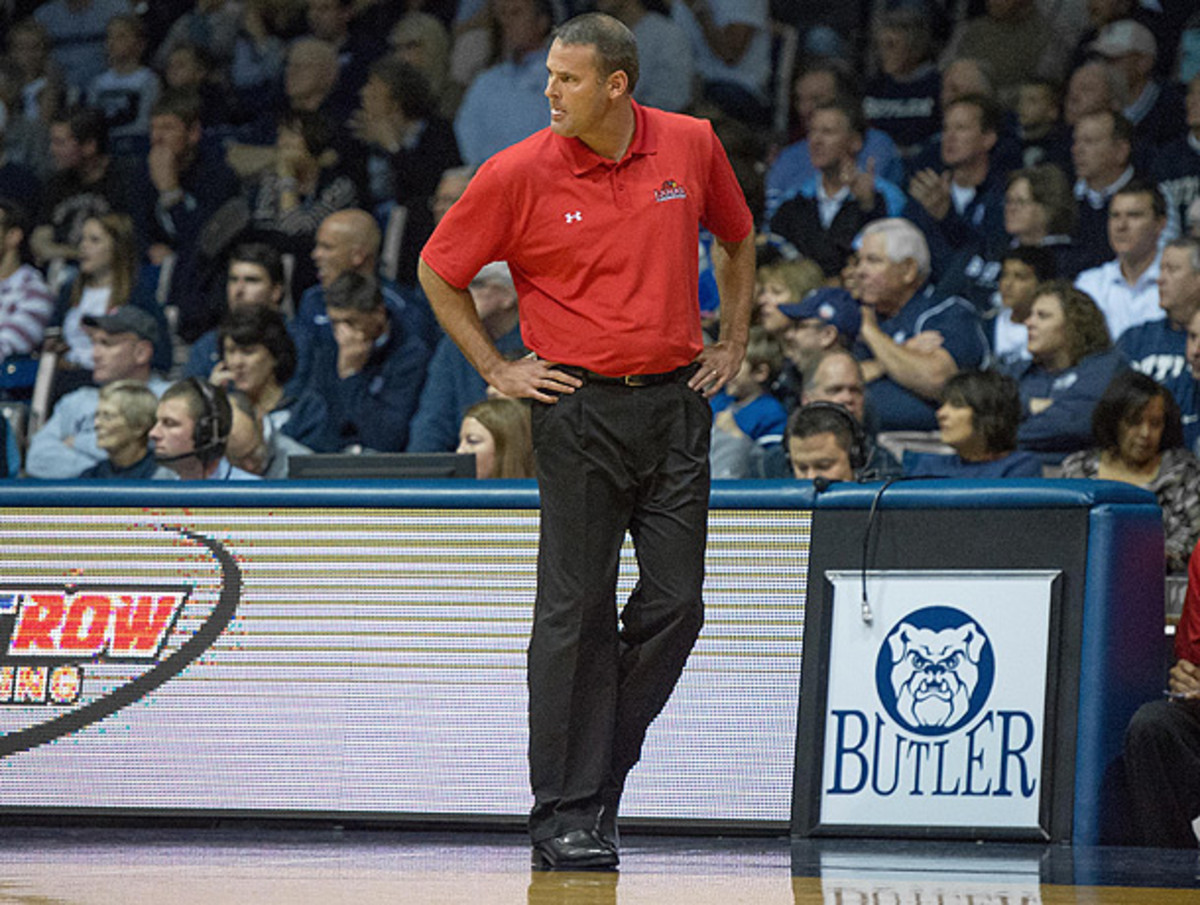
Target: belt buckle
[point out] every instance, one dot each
(632, 380)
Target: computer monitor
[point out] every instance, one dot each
(386, 466)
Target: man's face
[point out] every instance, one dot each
(882, 282)
(819, 456)
(377, 102)
(335, 252)
(962, 77)
(250, 284)
(492, 297)
(831, 143)
(65, 150)
(1193, 345)
(306, 75)
(1095, 150)
(174, 429)
(1036, 106)
(1178, 285)
(838, 379)
(812, 90)
(579, 98)
(449, 190)
(1193, 104)
(963, 138)
(1088, 92)
(118, 356)
(804, 340)
(169, 131)
(1133, 228)
(121, 43)
(327, 20)
(522, 27)
(349, 324)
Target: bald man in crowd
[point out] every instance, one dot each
(348, 241)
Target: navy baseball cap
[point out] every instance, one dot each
(833, 306)
(126, 319)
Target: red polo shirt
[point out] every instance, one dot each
(604, 254)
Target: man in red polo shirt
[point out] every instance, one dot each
(597, 217)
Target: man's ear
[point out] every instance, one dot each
(143, 352)
(617, 84)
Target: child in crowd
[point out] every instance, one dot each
(748, 419)
(126, 91)
(782, 283)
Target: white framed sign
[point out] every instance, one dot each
(936, 705)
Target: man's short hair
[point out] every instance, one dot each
(261, 325)
(86, 125)
(1139, 186)
(851, 109)
(828, 418)
(183, 103)
(902, 241)
(265, 256)
(407, 85)
(1191, 245)
(354, 292)
(616, 47)
(991, 113)
(1037, 258)
(1122, 128)
(210, 410)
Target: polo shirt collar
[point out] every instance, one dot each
(581, 158)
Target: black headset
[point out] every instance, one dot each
(206, 433)
(857, 453)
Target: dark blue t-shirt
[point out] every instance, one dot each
(897, 408)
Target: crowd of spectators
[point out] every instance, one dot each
(941, 187)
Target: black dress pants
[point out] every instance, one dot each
(611, 459)
(1162, 767)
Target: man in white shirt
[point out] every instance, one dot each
(732, 43)
(1126, 288)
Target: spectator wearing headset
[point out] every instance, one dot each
(825, 443)
(191, 430)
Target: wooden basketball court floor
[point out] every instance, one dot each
(241, 864)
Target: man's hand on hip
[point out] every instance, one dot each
(718, 364)
(531, 378)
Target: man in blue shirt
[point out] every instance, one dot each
(911, 340)
(371, 374)
(1159, 348)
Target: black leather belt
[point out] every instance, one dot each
(630, 380)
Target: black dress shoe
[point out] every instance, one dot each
(576, 850)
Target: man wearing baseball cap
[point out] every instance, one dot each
(824, 319)
(1155, 108)
(123, 343)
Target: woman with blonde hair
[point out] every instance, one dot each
(498, 432)
(125, 413)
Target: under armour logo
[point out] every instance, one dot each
(573, 216)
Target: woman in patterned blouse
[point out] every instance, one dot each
(1139, 440)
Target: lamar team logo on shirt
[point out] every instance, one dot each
(670, 191)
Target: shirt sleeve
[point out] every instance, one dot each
(962, 335)
(726, 214)
(474, 231)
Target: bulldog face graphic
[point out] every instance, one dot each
(934, 672)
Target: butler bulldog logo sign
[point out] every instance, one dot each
(77, 651)
(936, 708)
